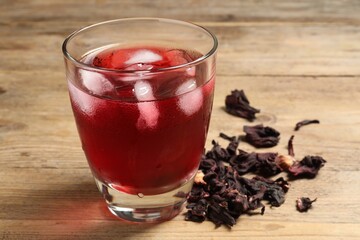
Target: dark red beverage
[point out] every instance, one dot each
(142, 132)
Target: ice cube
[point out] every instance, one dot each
(128, 77)
(191, 71)
(95, 82)
(143, 56)
(149, 115)
(81, 100)
(192, 100)
(143, 91)
(185, 87)
(139, 61)
(149, 112)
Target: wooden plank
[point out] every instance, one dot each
(249, 229)
(291, 50)
(329, 11)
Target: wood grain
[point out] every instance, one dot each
(295, 59)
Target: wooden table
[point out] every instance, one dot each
(295, 59)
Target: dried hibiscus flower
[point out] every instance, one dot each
(291, 146)
(218, 153)
(260, 136)
(284, 162)
(309, 166)
(197, 212)
(233, 145)
(305, 122)
(227, 195)
(199, 177)
(221, 195)
(273, 192)
(223, 154)
(262, 163)
(304, 203)
(238, 104)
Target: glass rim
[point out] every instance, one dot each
(197, 61)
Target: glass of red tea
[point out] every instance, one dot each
(141, 90)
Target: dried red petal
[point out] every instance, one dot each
(291, 147)
(305, 122)
(260, 136)
(309, 167)
(304, 203)
(238, 104)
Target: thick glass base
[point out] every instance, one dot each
(145, 208)
(150, 215)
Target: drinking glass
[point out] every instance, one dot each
(142, 125)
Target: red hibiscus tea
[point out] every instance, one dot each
(142, 113)
(148, 142)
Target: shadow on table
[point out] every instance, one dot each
(74, 211)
